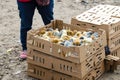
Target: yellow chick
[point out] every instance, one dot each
(55, 40)
(76, 42)
(70, 33)
(78, 34)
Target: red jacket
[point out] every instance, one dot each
(24, 0)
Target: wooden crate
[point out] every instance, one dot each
(78, 54)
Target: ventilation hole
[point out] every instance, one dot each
(84, 15)
(113, 12)
(113, 20)
(64, 67)
(117, 10)
(52, 78)
(40, 45)
(40, 59)
(70, 69)
(67, 68)
(34, 71)
(84, 24)
(37, 72)
(43, 60)
(106, 20)
(40, 73)
(78, 24)
(43, 73)
(109, 23)
(43, 46)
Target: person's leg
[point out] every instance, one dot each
(46, 12)
(26, 12)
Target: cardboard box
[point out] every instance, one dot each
(99, 70)
(76, 70)
(99, 57)
(110, 24)
(105, 16)
(87, 65)
(38, 72)
(59, 65)
(116, 52)
(114, 43)
(39, 58)
(77, 54)
(65, 67)
(106, 10)
(47, 74)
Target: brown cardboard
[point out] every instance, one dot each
(82, 52)
(111, 29)
(53, 63)
(47, 74)
(106, 10)
(39, 58)
(116, 52)
(99, 56)
(76, 70)
(72, 69)
(39, 44)
(99, 70)
(38, 72)
(114, 43)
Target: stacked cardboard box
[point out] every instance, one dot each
(47, 61)
(106, 17)
(116, 53)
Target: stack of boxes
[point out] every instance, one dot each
(106, 17)
(50, 61)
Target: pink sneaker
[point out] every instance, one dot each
(23, 55)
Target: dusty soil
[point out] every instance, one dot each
(10, 66)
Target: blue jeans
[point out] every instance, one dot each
(26, 12)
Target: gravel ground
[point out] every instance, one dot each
(10, 66)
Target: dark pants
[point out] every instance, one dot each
(26, 12)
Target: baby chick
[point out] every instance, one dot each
(76, 42)
(55, 40)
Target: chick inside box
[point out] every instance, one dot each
(69, 42)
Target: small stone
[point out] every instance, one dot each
(1, 64)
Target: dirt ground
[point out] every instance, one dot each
(10, 66)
